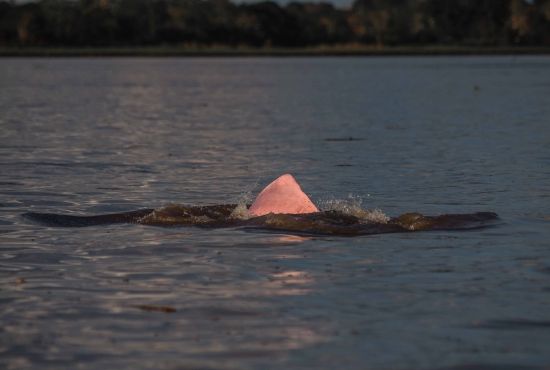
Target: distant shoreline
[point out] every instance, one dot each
(322, 51)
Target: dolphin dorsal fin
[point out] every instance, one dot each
(283, 195)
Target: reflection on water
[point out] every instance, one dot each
(90, 136)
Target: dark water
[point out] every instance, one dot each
(436, 135)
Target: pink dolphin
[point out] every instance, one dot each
(283, 195)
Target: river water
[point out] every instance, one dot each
(429, 134)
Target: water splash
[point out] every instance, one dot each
(352, 205)
(241, 210)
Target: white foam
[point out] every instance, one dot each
(353, 206)
(241, 210)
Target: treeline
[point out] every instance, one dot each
(111, 23)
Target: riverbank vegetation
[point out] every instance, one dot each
(220, 26)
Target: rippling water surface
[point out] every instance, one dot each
(434, 135)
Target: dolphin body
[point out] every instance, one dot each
(281, 206)
(283, 195)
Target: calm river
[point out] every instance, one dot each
(431, 135)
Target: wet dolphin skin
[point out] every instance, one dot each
(281, 206)
(283, 195)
